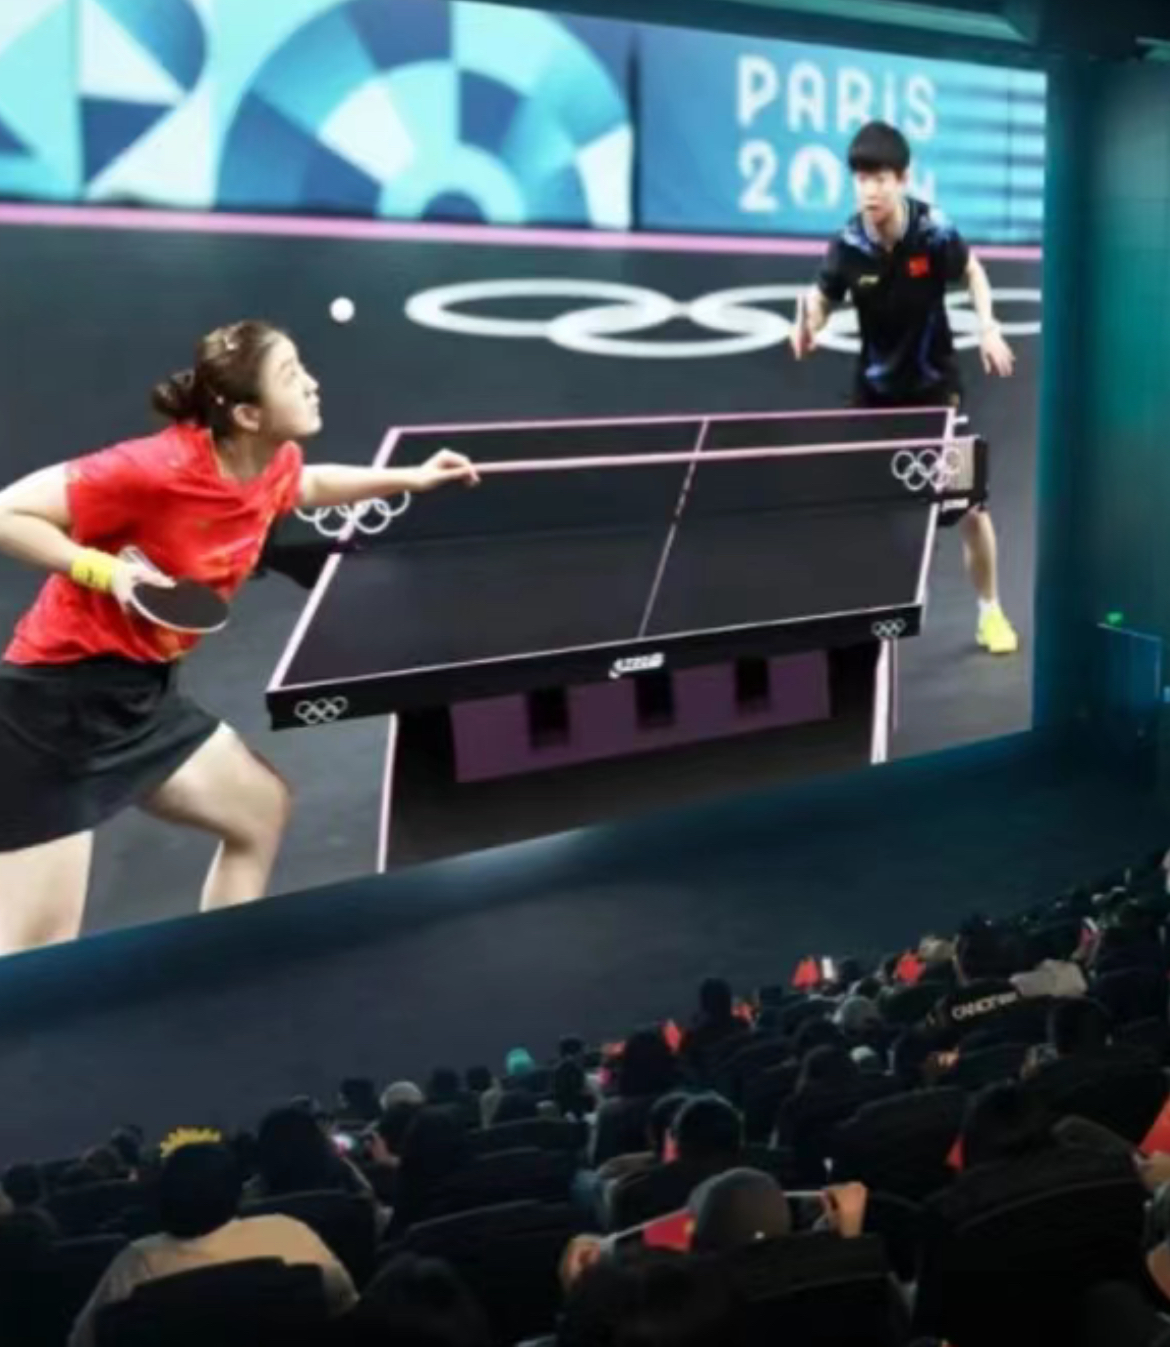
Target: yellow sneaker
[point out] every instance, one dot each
(996, 634)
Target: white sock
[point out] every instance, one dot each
(987, 606)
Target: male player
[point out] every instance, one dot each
(895, 258)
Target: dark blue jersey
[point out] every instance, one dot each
(900, 294)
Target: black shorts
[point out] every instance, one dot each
(949, 393)
(80, 742)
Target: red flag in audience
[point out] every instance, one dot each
(909, 968)
(673, 1035)
(1158, 1137)
(807, 975)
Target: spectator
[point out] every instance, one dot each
(105, 1163)
(816, 1034)
(23, 1186)
(293, 1155)
(127, 1143)
(434, 1147)
(741, 1206)
(714, 1025)
(570, 1089)
(1052, 967)
(647, 1070)
(357, 1100)
(656, 1300)
(659, 1140)
(198, 1199)
(984, 962)
(417, 1302)
(515, 1106)
(571, 1048)
(828, 1067)
(479, 1080)
(858, 1018)
(1004, 1123)
(401, 1092)
(709, 1134)
(518, 1065)
(384, 1144)
(444, 1087)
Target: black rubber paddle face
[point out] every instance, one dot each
(188, 607)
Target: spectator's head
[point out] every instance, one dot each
(22, 1185)
(515, 1106)
(661, 1118)
(518, 1062)
(293, 1155)
(435, 1144)
(742, 1206)
(715, 1001)
(1005, 1122)
(1078, 1025)
(858, 1016)
(444, 1086)
(105, 1163)
(818, 1033)
(647, 1065)
(655, 1301)
(420, 1302)
(479, 1079)
(126, 1142)
(908, 1058)
(357, 1098)
(198, 1190)
(570, 1088)
(401, 1092)
(983, 951)
(827, 1066)
(389, 1132)
(709, 1131)
(571, 1048)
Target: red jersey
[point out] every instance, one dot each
(168, 496)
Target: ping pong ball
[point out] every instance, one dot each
(342, 310)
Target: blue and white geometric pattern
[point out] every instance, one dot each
(40, 152)
(417, 109)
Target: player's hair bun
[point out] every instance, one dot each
(177, 398)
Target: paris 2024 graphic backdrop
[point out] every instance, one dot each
(421, 109)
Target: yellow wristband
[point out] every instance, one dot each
(94, 570)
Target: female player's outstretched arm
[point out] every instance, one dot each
(326, 485)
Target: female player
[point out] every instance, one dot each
(91, 718)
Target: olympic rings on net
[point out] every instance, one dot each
(370, 517)
(609, 327)
(889, 631)
(323, 711)
(917, 470)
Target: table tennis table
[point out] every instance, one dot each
(541, 579)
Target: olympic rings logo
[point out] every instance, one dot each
(370, 517)
(889, 631)
(927, 468)
(610, 326)
(323, 711)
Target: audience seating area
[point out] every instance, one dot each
(966, 1143)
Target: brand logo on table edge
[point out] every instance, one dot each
(637, 664)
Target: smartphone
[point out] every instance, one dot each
(345, 1143)
(828, 970)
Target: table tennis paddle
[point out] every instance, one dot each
(186, 607)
